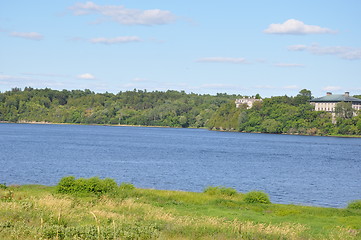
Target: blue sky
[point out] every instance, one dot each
(244, 47)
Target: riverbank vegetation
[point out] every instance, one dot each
(100, 209)
(287, 115)
(170, 108)
(283, 114)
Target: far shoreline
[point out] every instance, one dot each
(148, 126)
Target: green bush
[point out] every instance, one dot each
(93, 185)
(219, 190)
(66, 185)
(356, 204)
(3, 186)
(126, 186)
(256, 197)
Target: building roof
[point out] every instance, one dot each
(336, 98)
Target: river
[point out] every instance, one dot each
(307, 170)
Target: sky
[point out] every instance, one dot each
(244, 47)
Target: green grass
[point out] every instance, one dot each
(39, 212)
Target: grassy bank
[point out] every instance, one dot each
(125, 212)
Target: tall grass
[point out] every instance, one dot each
(220, 190)
(126, 212)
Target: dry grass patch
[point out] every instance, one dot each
(285, 230)
(52, 203)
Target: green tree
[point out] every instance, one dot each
(305, 93)
(271, 126)
(302, 97)
(344, 110)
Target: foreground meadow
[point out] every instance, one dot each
(125, 212)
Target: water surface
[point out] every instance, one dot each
(319, 171)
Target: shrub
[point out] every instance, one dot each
(256, 197)
(93, 185)
(66, 185)
(356, 204)
(109, 184)
(219, 190)
(126, 186)
(3, 186)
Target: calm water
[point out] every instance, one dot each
(320, 171)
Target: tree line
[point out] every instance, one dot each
(281, 114)
(287, 115)
(137, 107)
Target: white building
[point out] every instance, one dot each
(248, 101)
(328, 102)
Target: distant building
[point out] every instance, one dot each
(248, 101)
(328, 102)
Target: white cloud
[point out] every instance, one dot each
(41, 81)
(45, 74)
(13, 78)
(124, 39)
(271, 87)
(264, 87)
(293, 26)
(290, 87)
(218, 85)
(139, 80)
(332, 88)
(86, 76)
(21, 81)
(339, 51)
(289, 65)
(222, 60)
(27, 35)
(123, 15)
(298, 47)
(5, 77)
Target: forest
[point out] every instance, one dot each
(280, 114)
(137, 107)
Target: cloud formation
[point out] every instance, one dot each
(296, 27)
(45, 74)
(341, 52)
(86, 76)
(289, 65)
(9, 77)
(21, 81)
(332, 88)
(137, 79)
(291, 87)
(27, 35)
(222, 60)
(124, 39)
(220, 86)
(123, 15)
(271, 87)
(41, 81)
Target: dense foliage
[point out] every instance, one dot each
(282, 114)
(257, 197)
(92, 185)
(356, 204)
(170, 108)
